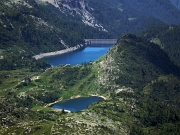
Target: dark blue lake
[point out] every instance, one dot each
(78, 57)
(76, 104)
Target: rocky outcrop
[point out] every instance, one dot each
(71, 49)
(79, 4)
(77, 8)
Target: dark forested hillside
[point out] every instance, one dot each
(139, 77)
(118, 17)
(168, 38)
(28, 28)
(40, 27)
(176, 3)
(133, 16)
(137, 62)
(161, 9)
(144, 66)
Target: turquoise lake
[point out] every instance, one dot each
(78, 57)
(73, 58)
(77, 104)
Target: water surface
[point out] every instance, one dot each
(78, 57)
(76, 104)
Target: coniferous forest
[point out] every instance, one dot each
(139, 77)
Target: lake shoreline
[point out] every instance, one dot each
(52, 103)
(71, 49)
(73, 97)
(55, 109)
(96, 95)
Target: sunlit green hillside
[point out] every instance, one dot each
(141, 94)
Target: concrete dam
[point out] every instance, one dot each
(99, 42)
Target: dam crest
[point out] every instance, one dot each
(99, 42)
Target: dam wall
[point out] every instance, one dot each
(99, 42)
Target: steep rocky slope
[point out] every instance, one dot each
(40, 25)
(176, 3)
(136, 14)
(134, 62)
(79, 8)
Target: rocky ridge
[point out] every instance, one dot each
(78, 7)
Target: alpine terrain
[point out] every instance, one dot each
(138, 78)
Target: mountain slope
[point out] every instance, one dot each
(134, 76)
(161, 9)
(140, 82)
(27, 24)
(98, 14)
(119, 17)
(40, 25)
(28, 28)
(168, 39)
(134, 62)
(176, 3)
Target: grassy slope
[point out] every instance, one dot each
(124, 112)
